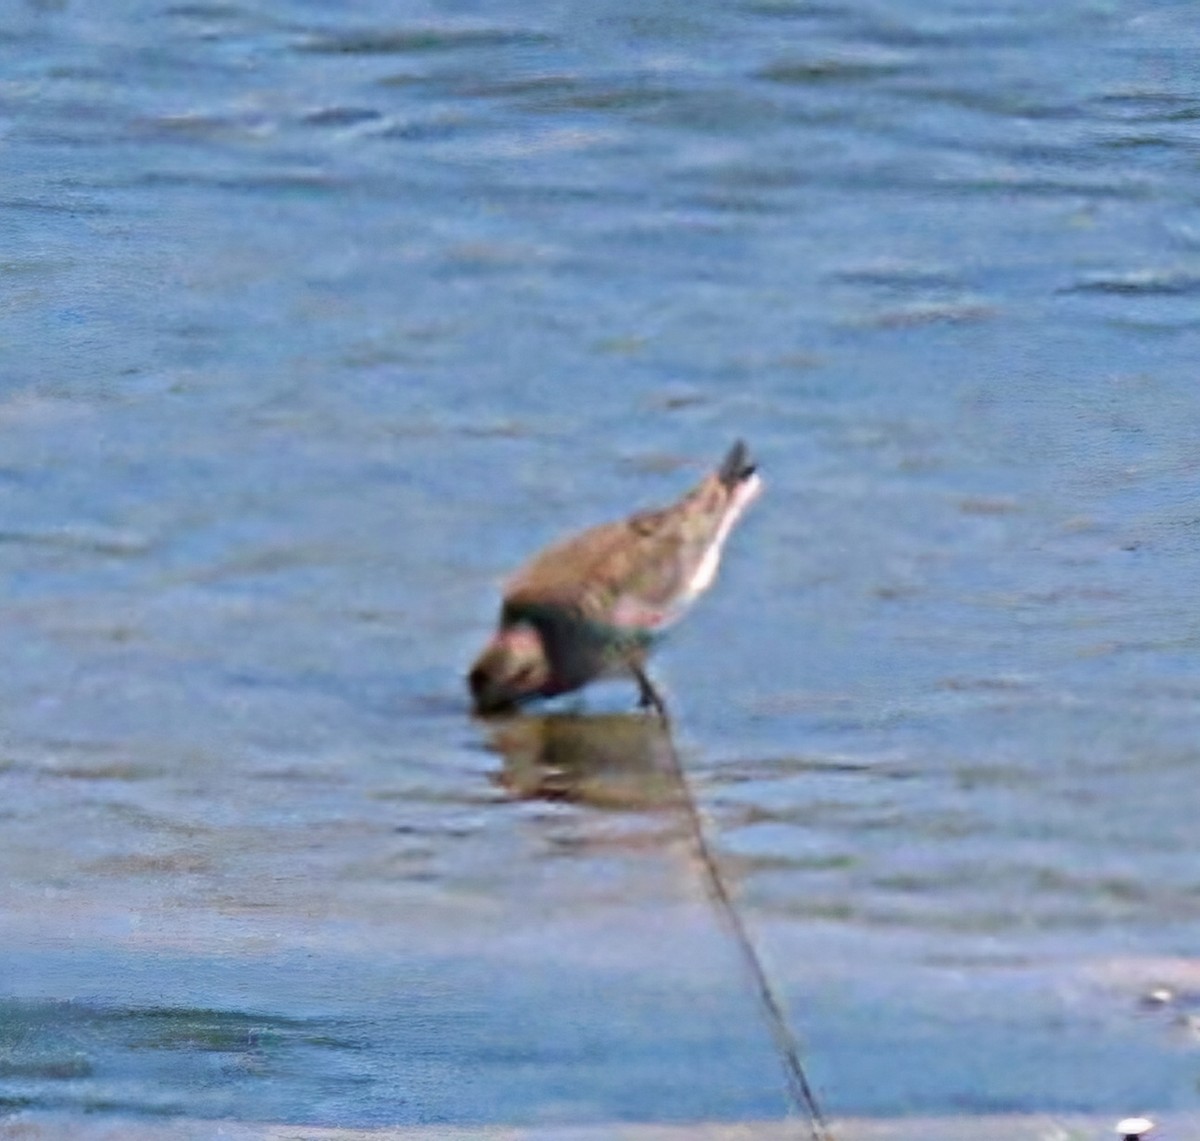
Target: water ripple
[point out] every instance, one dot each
(417, 40)
(1136, 283)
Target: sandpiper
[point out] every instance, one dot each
(592, 605)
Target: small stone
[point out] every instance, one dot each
(1158, 996)
(1134, 1128)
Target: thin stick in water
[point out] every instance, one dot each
(803, 1095)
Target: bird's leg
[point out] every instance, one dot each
(648, 696)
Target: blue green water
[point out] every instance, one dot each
(318, 318)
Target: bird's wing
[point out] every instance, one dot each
(638, 575)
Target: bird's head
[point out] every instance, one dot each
(511, 668)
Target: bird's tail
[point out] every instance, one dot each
(737, 466)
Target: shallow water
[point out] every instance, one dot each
(319, 318)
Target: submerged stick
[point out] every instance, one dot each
(800, 1089)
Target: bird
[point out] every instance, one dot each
(593, 605)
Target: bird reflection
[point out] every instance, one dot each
(614, 760)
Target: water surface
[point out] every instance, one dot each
(318, 318)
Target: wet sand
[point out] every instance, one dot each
(1022, 1127)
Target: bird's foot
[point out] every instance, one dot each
(648, 696)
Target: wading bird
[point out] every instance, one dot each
(592, 605)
